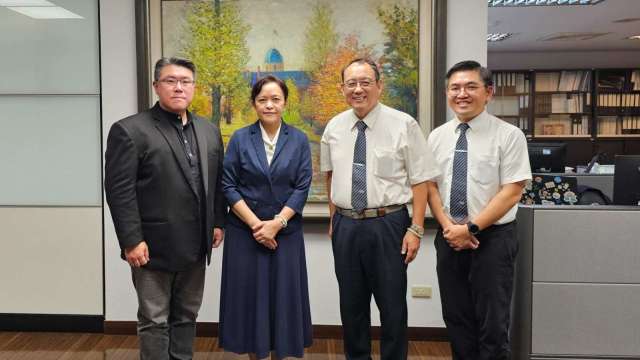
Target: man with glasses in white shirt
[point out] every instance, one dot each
(483, 165)
(373, 236)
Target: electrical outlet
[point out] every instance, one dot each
(421, 291)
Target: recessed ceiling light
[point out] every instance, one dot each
(45, 12)
(517, 3)
(498, 37)
(25, 3)
(634, 37)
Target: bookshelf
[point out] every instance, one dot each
(512, 95)
(618, 103)
(562, 103)
(591, 110)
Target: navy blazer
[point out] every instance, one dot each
(267, 189)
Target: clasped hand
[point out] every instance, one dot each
(265, 232)
(459, 238)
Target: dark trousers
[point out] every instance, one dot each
(475, 290)
(368, 260)
(168, 305)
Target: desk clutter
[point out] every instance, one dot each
(550, 190)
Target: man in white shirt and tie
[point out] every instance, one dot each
(373, 237)
(483, 164)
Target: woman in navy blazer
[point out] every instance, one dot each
(264, 301)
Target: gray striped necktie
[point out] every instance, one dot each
(458, 199)
(359, 170)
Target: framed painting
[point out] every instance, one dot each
(306, 43)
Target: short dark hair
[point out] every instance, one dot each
(163, 61)
(470, 65)
(257, 87)
(363, 60)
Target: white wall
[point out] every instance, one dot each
(563, 60)
(466, 33)
(51, 260)
(119, 99)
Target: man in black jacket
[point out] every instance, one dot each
(162, 181)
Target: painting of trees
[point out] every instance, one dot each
(306, 43)
(215, 40)
(400, 57)
(321, 38)
(293, 111)
(328, 100)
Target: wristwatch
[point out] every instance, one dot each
(473, 228)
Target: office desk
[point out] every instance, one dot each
(577, 292)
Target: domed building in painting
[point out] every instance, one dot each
(274, 65)
(273, 61)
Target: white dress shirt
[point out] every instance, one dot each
(497, 155)
(397, 156)
(269, 145)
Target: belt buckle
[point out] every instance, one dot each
(369, 213)
(357, 214)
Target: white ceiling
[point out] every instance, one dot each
(532, 23)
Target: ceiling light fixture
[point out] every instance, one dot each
(39, 9)
(45, 12)
(25, 3)
(519, 3)
(498, 37)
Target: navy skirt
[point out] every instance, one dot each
(264, 300)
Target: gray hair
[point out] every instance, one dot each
(185, 63)
(362, 61)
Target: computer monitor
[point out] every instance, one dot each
(547, 157)
(626, 180)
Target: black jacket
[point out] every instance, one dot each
(148, 192)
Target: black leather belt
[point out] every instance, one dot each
(369, 213)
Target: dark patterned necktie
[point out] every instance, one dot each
(359, 170)
(458, 199)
